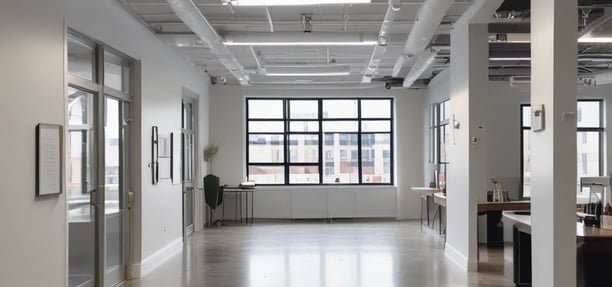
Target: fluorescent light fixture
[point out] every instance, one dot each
(365, 43)
(511, 59)
(307, 74)
(294, 2)
(594, 40)
(308, 71)
(299, 39)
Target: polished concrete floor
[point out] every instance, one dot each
(359, 253)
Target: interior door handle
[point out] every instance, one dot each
(92, 198)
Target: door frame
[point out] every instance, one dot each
(127, 157)
(191, 97)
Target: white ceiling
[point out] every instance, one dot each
(350, 18)
(158, 16)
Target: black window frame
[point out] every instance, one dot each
(287, 164)
(599, 129)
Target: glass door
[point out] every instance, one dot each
(115, 208)
(81, 186)
(188, 164)
(97, 160)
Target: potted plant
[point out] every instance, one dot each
(213, 195)
(210, 151)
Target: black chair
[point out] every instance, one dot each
(213, 195)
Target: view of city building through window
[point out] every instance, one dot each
(589, 142)
(320, 141)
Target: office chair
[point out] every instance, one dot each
(213, 195)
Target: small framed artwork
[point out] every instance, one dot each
(48, 159)
(154, 155)
(164, 146)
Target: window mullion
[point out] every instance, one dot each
(321, 139)
(286, 140)
(359, 143)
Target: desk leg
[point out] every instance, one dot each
(235, 206)
(247, 207)
(427, 207)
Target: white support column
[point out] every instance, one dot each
(466, 179)
(553, 150)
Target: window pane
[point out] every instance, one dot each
(588, 114)
(267, 174)
(80, 57)
(526, 116)
(588, 154)
(339, 108)
(340, 160)
(188, 116)
(304, 148)
(266, 148)
(526, 164)
(376, 108)
(445, 113)
(376, 126)
(301, 109)
(444, 138)
(304, 174)
(376, 158)
(265, 109)
(304, 126)
(116, 72)
(266, 126)
(79, 110)
(340, 126)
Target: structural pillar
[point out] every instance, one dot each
(553, 149)
(466, 172)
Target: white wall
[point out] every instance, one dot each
(228, 130)
(32, 91)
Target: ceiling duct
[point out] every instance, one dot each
(423, 62)
(383, 41)
(187, 11)
(425, 26)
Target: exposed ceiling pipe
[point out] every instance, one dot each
(269, 19)
(423, 62)
(187, 11)
(383, 41)
(425, 25)
(256, 57)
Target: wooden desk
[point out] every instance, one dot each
(426, 193)
(500, 206)
(239, 191)
(440, 199)
(593, 246)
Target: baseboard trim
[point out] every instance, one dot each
(457, 257)
(156, 259)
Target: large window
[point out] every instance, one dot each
(439, 133)
(320, 141)
(589, 142)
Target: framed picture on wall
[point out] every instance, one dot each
(154, 155)
(48, 159)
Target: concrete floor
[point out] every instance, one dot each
(314, 253)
